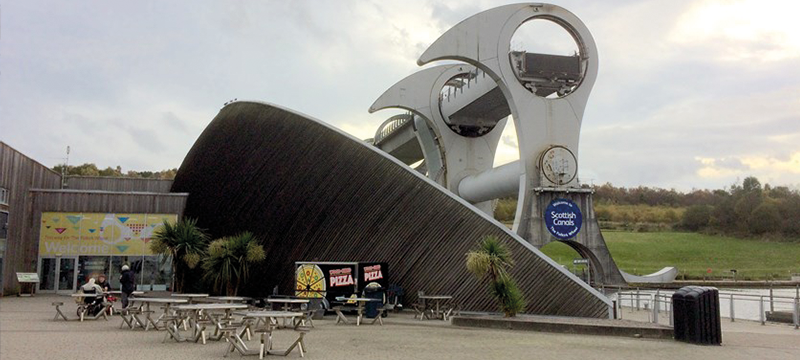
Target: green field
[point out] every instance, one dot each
(693, 254)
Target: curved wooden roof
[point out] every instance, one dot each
(314, 193)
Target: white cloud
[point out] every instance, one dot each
(679, 80)
(769, 169)
(772, 165)
(746, 30)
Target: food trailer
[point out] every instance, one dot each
(329, 280)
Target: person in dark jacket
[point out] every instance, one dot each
(103, 283)
(128, 283)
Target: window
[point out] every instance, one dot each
(3, 196)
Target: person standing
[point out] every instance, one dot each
(128, 282)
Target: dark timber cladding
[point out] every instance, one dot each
(18, 173)
(313, 193)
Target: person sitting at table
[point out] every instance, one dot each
(91, 287)
(93, 302)
(103, 283)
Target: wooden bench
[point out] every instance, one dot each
(171, 324)
(379, 318)
(233, 334)
(305, 319)
(130, 317)
(83, 309)
(299, 343)
(339, 316)
(58, 305)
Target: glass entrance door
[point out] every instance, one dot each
(47, 274)
(66, 275)
(57, 275)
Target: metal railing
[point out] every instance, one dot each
(656, 302)
(390, 126)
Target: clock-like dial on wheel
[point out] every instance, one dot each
(310, 282)
(559, 165)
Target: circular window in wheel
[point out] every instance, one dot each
(310, 282)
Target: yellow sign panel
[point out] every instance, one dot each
(310, 282)
(98, 233)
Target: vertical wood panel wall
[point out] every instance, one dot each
(314, 194)
(118, 184)
(18, 173)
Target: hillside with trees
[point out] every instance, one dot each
(742, 210)
(90, 169)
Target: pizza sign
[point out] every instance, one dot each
(341, 277)
(310, 281)
(372, 273)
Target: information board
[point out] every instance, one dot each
(27, 277)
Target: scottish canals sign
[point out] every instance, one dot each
(563, 218)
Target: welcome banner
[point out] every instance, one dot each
(68, 234)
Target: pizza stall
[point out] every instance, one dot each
(329, 280)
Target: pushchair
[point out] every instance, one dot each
(92, 304)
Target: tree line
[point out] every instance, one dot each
(90, 169)
(744, 209)
(748, 209)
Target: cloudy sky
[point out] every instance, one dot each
(690, 94)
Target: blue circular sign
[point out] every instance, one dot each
(563, 218)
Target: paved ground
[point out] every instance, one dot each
(27, 331)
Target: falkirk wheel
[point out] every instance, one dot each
(311, 192)
(457, 112)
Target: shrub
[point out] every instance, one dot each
(228, 261)
(492, 260)
(765, 218)
(696, 217)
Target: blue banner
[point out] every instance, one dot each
(563, 218)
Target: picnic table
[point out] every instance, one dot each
(195, 311)
(436, 310)
(289, 304)
(270, 318)
(118, 292)
(230, 299)
(359, 309)
(147, 313)
(82, 306)
(191, 297)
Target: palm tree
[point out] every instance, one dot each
(184, 243)
(492, 259)
(227, 263)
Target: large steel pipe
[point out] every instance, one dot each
(491, 184)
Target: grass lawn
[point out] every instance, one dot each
(643, 253)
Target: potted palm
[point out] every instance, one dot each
(492, 260)
(184, 243)
(228, 261)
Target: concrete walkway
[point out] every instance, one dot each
(27, 331)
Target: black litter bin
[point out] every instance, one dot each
(678, 311)
(371, 308)
(696, 315)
